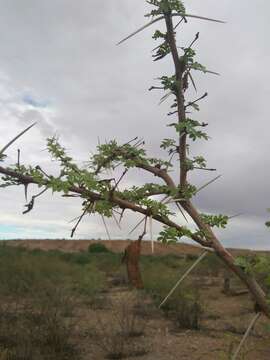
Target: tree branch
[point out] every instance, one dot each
(179, 71)
(115, 200)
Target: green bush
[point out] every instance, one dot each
(23, 273)
(81, 258)
(97, 248)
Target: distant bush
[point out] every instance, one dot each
(32, 271)
(97, 248)
(188, 310)
(260, 267)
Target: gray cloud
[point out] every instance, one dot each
(66, 52)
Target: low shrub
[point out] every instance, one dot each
(183, 306)
(23, 273)
(38, 330)
(118, 336)
(211, 265)
(98, 248)
(188, 310)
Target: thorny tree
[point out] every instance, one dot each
(107, 197)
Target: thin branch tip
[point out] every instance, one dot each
(163, 17)
(16, 138)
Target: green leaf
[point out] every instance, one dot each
(170, 235)
(187, 191)
(246, 263)
(168, 144)
(220, 221)
(166, 6)
(190, 127)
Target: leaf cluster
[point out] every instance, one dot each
(188, 61)
(166, 7)
(168, 144)
(170, 83)
(170, 235)
(190, 128)
(109, 155)
(220, 221)
(252, 264)
(197, 161)
(187, 191)
(137, 193)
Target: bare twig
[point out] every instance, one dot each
(116, 221)
(163, 17)
(25, 191)
(193, 41)
(170, 199)
(251, 325)
(181, 211)
(30, 205)
(42, 171)
(165, 97)
(192, 81)
(172, 112)
(195, 101)
(144, 229)
(137, 225)
(18, 157)
(151, 233)
(174, 200)
(121, 177)
(121, 216)
(184, 276)
(15, 138)
(208, 183)
(175, 27)
(211, 72)
(236, 215)
(79, 220)
(106, 228)
(205, 169)
(180, 21)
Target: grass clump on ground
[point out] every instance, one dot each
(49, 301)
(184, 306)
(40, 292)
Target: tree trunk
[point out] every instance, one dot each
(131, 258)
(255, 290)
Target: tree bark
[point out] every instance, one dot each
(131, 258)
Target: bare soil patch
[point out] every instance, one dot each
(113, 319)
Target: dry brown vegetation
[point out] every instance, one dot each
(117, 246)
(77, 305)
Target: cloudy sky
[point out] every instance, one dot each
(60, 66)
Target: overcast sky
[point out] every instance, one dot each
(60, 66)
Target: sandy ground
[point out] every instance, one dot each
(224, 322)
(117, 246)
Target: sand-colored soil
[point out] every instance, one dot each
(116, 246)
